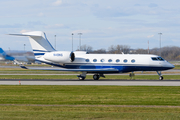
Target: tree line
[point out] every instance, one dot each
(168, 52)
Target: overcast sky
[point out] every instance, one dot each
(101, 22)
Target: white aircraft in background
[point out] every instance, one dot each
(99, 64)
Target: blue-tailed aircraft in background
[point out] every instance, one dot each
(5, 56)
(19, 56)
(98, 64)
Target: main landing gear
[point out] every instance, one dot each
(95, 76)
(82, 76)
(160, 76)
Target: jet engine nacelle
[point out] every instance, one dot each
(60, 56)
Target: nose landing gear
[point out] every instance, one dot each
(160, 76)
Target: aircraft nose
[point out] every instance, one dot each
(167, 65)
(170, 66)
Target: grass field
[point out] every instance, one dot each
(87, 113)
(89, 102)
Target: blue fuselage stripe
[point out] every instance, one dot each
(38, 54)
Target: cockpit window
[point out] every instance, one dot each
(154, 59)
(157, 59)
(160, 58)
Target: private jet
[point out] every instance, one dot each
(98, 64)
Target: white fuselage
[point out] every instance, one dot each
(122, 62)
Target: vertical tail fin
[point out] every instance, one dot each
(39, 42)
(5, 56)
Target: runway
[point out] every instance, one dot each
(93, 82)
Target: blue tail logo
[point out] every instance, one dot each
(5, 56)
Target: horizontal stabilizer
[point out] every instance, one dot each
(25, 35)
(31, 34)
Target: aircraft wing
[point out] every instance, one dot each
(104, 70)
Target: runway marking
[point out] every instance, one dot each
(136, 106)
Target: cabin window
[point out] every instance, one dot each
(102, 60)
(110, 60)
(87, 60)
(154, 59)
(94, 60)
(117, 60)
(133, 61)
(125, 60)
(160, 58)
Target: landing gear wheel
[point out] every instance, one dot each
(96, 77)
(161, 78)
(81, 78)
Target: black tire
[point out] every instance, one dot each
(96, 77)
(161, 78)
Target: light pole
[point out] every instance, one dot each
(79, 40)
(72, 41)
(160, 41)
(55, 41)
